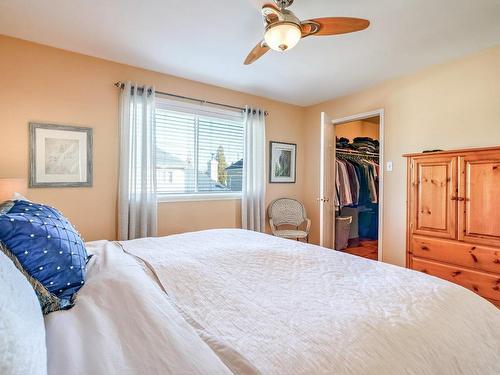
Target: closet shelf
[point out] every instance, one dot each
(352, 152)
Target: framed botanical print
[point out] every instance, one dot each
(282, 159)
(60, 156)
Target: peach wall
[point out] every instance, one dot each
(454, 105)
(45, 84)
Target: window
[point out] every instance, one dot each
(199, 151)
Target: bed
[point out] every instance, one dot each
(233, 301)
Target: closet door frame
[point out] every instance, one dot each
(362, 116)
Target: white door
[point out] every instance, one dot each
(327, 183)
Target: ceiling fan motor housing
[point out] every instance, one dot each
(285, 16)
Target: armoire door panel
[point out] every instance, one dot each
(479, 205)
(434, 196)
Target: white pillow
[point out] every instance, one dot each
(22, 339)
(19, 196)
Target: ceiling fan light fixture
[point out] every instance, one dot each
(283, 29)
(282, 36)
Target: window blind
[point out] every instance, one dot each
(198, 151)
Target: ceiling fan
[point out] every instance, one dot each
(284, 30)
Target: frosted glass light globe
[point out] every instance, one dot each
(283, 36)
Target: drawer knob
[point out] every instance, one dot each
(474, 257)
(456, 273)
(423, 247)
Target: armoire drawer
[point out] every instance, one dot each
(484, 284)
(459, 253)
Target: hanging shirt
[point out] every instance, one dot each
(353, 182)
(345, 195)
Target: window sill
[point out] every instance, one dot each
(198, 197)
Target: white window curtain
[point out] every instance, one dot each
(253, 209)
(137, 206)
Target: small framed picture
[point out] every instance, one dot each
(282, 158)
(60, 156)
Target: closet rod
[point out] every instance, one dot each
(120, 85)
(349, 152)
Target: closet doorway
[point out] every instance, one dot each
(351, 184)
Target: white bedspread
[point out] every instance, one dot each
(124, 324)
(288, 308)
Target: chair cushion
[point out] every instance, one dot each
(47, 249)
(290, 233)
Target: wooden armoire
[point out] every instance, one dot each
(453, 217)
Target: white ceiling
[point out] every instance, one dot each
(207, 41)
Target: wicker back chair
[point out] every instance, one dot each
(288, 211)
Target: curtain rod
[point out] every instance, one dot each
(121, 85)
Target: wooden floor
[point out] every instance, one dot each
(366, 249)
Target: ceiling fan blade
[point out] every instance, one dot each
(259, 50)
(336, 25)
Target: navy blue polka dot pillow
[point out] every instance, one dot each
(47, 249)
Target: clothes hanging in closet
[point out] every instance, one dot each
(356, 181)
